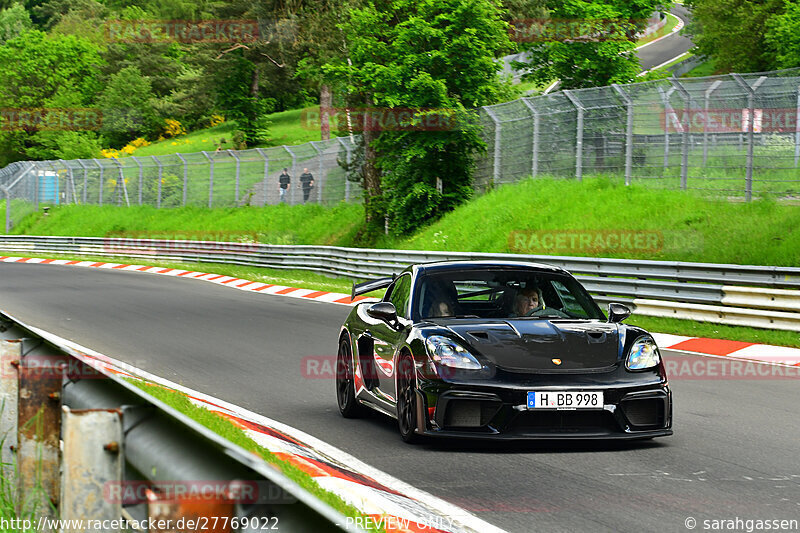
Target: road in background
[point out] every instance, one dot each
(669, 47)
(733, 453)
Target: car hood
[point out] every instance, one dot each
(520, 345)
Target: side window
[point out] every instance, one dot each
(401, 291)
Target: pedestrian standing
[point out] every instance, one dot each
(284, 182)
(307, 182)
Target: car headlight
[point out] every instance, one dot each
(447, 352)
(643, 354)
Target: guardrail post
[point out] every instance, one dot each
(39, 428)
(210, 179)
(686, 127)
(628, 132)
(236, 186)
(185, 177)
(160, 173)
(10, 354)
(535, 146)
(497, 145)
(707, 97)
(797, 130)
(578, 134)
(100, 194)
(294, 174)
(751, 103)
(92, 462)
(320, 177)
(266, 173)
(349, 160)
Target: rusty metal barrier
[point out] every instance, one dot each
(80, 443)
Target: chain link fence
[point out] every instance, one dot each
(737, 136)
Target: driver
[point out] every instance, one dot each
(528, 301)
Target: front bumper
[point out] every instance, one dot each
(629, 412)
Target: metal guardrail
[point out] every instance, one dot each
(678, 283)
(117, 438)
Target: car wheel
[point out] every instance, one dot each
(345, 384)
(407, 399)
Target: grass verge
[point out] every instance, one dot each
(233, 433)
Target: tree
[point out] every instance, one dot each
(579, 61)
(783, 35)
(56, 73)
(733, 32)
(128, 107)
(13, 21)
(436, 59)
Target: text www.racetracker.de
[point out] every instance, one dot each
(202, 523)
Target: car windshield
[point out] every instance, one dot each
(503, 294)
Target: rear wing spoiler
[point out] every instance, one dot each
(369, 286)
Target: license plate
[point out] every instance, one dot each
(565, 400)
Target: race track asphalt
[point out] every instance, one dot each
(667, 48)
(734, 452)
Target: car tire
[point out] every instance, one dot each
(345, 382)
(407, 399)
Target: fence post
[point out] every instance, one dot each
(85, 182)
(797, 130)
(535, 147)
(7, 194)
(708, 92)
(236, 186)
(665, 96)
(160, 172)
(686, 127)
(122, 183)
(266, 173)
(294, 173)
(628, 132)
(100, 194)
(185, 177)
(751, 104)
(141, 176)
(320, 178)
(348, 161)
(69, 185)
(578, 133)
(210, 179)
(497, 145)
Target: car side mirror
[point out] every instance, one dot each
(618, 312)
(383, 311)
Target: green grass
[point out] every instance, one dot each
(230, 431)
(208, 139)
(296, 126)
(762, 232)
(706, 68)
(691, 328)
(277, 224)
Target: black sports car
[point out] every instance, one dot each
(499, 350)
